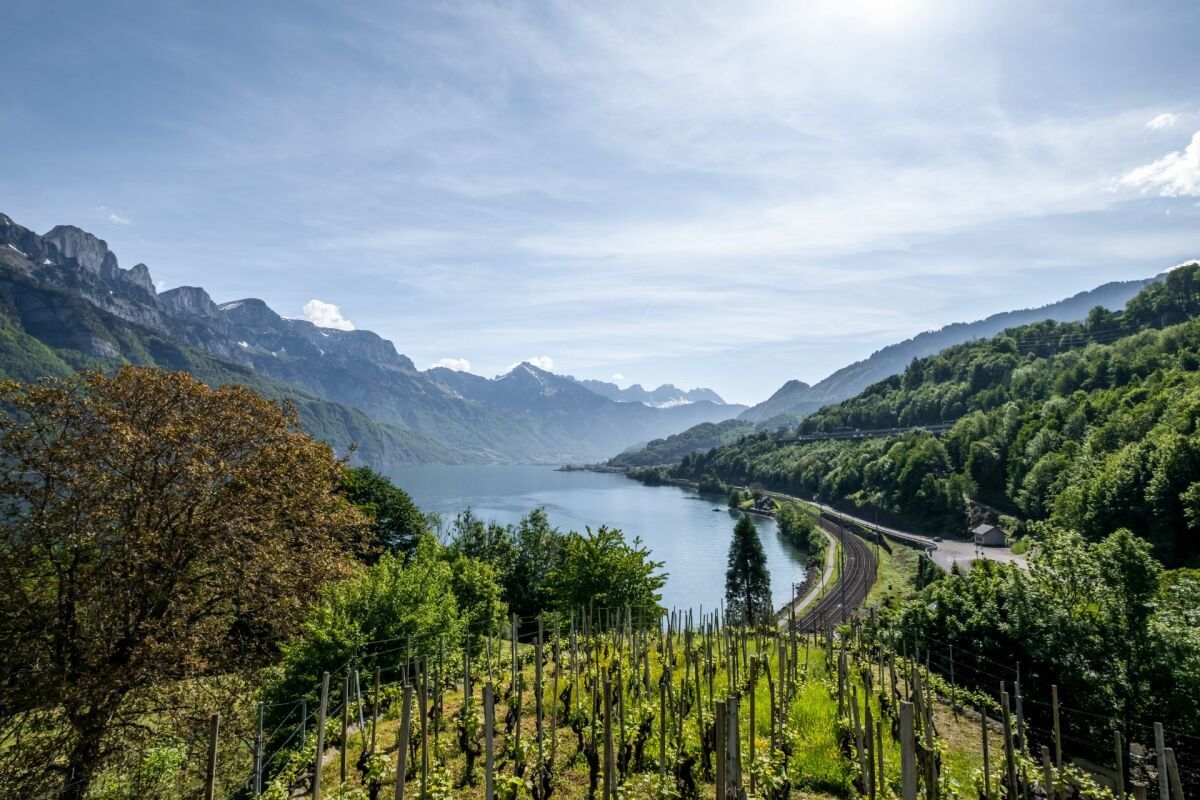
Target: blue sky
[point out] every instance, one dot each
(720, 194)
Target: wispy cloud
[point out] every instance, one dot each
(456, 364)
(115, 217)
(325, 315)
(670, 190)
(1176, 174)
(1162, 122)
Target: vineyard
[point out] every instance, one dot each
(614, 705)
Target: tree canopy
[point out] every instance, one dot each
(747, 580)
(599, 568)
(153, 530)
(396, 522)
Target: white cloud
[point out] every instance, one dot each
(456, 364)
(325, 315)
(1162, 122)
(115, 217)
(1176, 174)
(541, 362)
(617, 377)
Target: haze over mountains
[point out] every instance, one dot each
(664, 396)
(796, 399)
(65, 303)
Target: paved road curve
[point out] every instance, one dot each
(944, 553)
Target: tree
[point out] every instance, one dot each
(527, 585)
(393, 600)
(396, 522)
(747, 580)
(735, 497)
(153, 530)
(710, 484)
(600, 568)
(799, 529)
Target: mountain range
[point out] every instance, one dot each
(796, 399)
(664, 396)
(67, 304)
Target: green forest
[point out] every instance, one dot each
(1089, 425)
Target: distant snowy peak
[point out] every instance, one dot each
(665, 396)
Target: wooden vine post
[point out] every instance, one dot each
(489, 727)
(1009, 756)
(210, 772)
(537, 690)
(983, 732)
(322, 710)
(345, 726)
(753, 716)
(402, 744)
(423, 707)
(610, 785)
(908, 755)
(722, 751)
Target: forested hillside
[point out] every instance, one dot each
(669, 450)
(1092, 425)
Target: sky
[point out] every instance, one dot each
(711, 194)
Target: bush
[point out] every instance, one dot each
(390, 599)
(711, 484)
(800, 529)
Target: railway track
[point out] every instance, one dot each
(858, 576)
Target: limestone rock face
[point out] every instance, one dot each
(90, 251)
(139, 276)
(188, 302)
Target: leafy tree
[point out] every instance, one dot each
(601, 568)
(527, 585)
(153, 531)
(392, 600)
(486, 541)
(396, 522)
(1099, 620)
(799, 528)
(711, 484)
(747, 580)
(522, 555)
(478, 593)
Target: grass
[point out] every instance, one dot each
(896, 579)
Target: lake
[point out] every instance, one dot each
(677, 525)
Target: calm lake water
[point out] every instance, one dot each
(678, 526)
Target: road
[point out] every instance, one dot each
(945, 553)
(873, 433)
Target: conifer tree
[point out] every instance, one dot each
(747, 580)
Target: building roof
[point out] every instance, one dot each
(980, 530)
